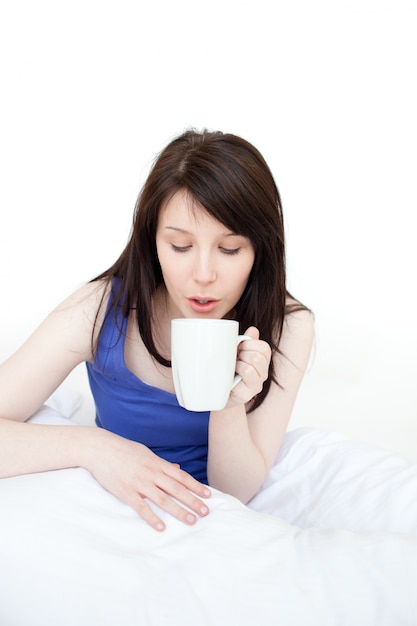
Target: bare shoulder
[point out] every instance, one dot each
(89, 298)
(83, 310)
(297, 335)
(298, 317)
(67, 331)
(61, 342)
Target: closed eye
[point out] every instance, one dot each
(230, 251)
(180, 248)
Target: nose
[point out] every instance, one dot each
(204, 271)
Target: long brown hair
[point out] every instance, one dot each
(229, 177)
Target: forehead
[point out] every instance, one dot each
(182, 210)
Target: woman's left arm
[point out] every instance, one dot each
(243, 447)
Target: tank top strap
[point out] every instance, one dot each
(112, 333)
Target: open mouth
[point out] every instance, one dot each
(203, 305)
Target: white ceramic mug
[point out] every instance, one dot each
(203, 355)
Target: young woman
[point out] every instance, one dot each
(207, 241)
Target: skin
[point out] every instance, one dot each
(205, 269)
(200, 259)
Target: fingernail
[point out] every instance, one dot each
(191, 518)
(160, 526)
(204, 510)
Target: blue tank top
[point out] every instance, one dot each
(133, 409)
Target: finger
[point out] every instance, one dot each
(165, 503)
(185, 479)
(163, 498)
(144, 511)
(187, 498)
(183, 487)
(257, 360)
(253, 332)
(251, 379)
(255, 345)
(169, 499)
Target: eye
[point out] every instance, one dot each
(180, 248)
(230, 251)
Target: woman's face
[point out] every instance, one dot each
(205, 266)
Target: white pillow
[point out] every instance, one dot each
(65, 400)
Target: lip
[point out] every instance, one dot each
(202, 305)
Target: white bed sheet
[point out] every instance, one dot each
(72, 554)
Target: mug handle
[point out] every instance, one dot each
(238, 377)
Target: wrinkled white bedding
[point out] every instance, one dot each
(73, 555)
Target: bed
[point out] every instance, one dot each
(73, 555)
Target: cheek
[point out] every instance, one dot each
(167, 271)
(172, 272)
(244, 273)
(163, 261)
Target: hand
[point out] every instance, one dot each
(252, 364)
(133, 473)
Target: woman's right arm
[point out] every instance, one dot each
(127, 469)
(58, 345)
(32, 374)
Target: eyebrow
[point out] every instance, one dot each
(186, 232)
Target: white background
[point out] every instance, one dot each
(91, 91)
